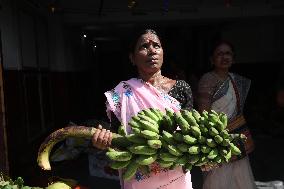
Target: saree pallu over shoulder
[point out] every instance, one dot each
(131, 96)
(243, 85)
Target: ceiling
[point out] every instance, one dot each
(129, 11)
(119, 15)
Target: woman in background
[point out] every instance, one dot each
(226, 92)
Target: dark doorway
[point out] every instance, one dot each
(4, 165)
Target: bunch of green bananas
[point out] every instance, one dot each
(184, 138)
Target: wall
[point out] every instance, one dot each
(257, 41)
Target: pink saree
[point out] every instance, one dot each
(126, 100)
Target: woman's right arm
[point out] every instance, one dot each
(102, 138)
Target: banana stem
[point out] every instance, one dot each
(63, 133)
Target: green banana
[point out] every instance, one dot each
(235, 150)
(156, 144)
(137, 139)
(193, 158)
(219, 126)
(146, 159)
(149, 134)
(168, 137)
(213, 132)
(134, 123)
(225, 142)
(218, 139)
(213, 112)
(205, 149)
(142, 149)
(146, 125)
(202, 161)
(121, 130)
(119, 155)
(165, 156)
(130, 170)
(150, 114)
(204, 114)
(171, 115)
(178, 136)
(224, 119)
(158, 113)
(119, 164)
(228, 156)
(57, 185)
(168, 123)
(210, 142)
(165, 164)
(204, 130)
(217, 159)
(187, 115)
(213, 117)
(213, 153)
(195, 131)
(146, 118)
(184, 126)
(201, 140)
(183, 147)
(181, 161)
(135, 130)
(189, 139)
(196, 115)
(224, 133)
(173, 150)
(194, 150)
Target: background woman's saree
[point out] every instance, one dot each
(229, 97)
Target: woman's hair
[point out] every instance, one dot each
(137, 35)
(221, 42)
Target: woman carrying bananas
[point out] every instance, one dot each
(150, 89)
(226, 92)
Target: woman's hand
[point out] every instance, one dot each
(102, 138)
(209, 167)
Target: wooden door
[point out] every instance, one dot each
(4, 165)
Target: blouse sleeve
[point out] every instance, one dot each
(182, 92)
(188, 103)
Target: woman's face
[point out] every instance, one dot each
(222, 57)
(148, 54)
